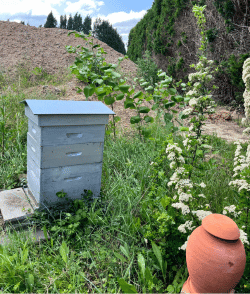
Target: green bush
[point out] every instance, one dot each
(147, 69)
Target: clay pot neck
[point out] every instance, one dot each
(227, 241)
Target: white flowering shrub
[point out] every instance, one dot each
(246, 94)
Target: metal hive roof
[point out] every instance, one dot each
(66, 107)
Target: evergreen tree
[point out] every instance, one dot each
(70, 23)
(63, 22)
(77, 23)
(97, 29)
(87, 25)
(104, 32)
(51, 22)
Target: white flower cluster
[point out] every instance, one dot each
(174, 155)
(246, 94)
(201, 214)
(182, 184)
(193, 102)
(187, 224)
(231, 209)
(240, 161)
(187, 111)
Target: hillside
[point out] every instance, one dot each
(169, 30)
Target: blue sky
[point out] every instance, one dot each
(123, 15)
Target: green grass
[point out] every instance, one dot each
(106, 243)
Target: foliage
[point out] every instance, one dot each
(104, 32)
(87, 25)
(233, 69)
(179, 43)
(77, 23)
(51, 22)
(70, 23)
(154, 31)
(147, 69)
(211, 34)
(227, 10)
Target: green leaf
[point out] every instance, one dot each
(144, 84)
(135, 119)
(124, 88)
(141, 263)
(112, 84)
(16, 287)
(129, 103)
(120, 257)
(148, 275)
(30, 281)
(143, 109)
(99, 81)
(199, 153)
(64, 251)
(168, 117)
(89, 91)
(164, 84)
(100, 90)
(149, 88)
(156, 98)
(184, 129)
(162, 75)
(172, 91)
(117, 118)
(148, 119)
(109, 100)
(125, 251)
(165, 201)
(126, 288)
(24, 254)
(170, 288)
(155, 106)
(120, 97)
(138, 94)
(179, 98)
(79, 90)
(183, 116)
(169, 104)
(157, 253)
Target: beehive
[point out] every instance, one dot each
(65, 142)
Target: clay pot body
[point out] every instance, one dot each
(215, 256)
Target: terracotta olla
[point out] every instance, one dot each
(215, 256)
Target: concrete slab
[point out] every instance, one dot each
(15, 206)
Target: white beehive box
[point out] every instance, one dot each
(65, 143)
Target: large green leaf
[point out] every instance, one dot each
(126, 288)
